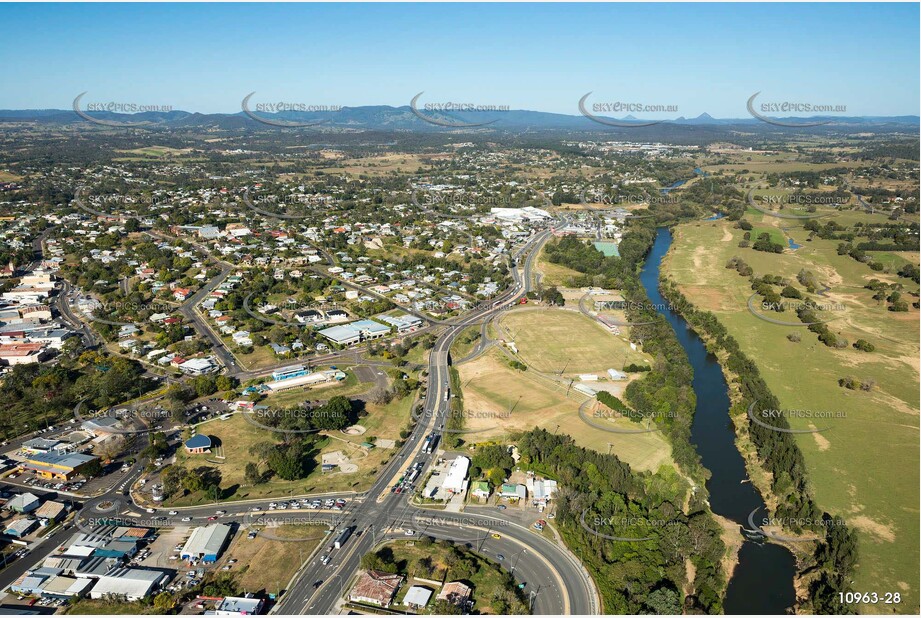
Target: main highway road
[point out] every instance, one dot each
(555, 582)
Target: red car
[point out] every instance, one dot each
(212, 518)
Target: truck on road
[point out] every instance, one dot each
(343, 537)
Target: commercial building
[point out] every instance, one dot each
(59, 466)
(341, 335)
(456, 478)
(239, 606)
(24, 503)
(128, 584)
(355, 332)
(542, 490)
(101, 426)
(304, 380)
(20, 527)
(22, 353)
(206, 543)
(37, 446)
(286, 373)
(198, 366)
(403, 323)
(51, 510)
(512, 491)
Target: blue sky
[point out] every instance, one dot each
(700, 57)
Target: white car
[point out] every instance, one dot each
(174, 512)
(186, 519)
(410, 533)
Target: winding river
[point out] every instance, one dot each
(762, 583)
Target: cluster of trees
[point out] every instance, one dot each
(740, 266)
(518, 365)
(636, 368)
(780, 456)
(205, 479)
(880, 237)
(337, 413)
(552, 296)
(612, 402)
(290, 460)
(492, 462)
(854, 384)
(38, 395)
(764, 243)
(633, 577)
(890, 293)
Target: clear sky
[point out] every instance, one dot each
(699, 57)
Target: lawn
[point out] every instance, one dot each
(555, 340)
(877, 495)
(266, 565)
(237, 436)
(490, 388)
(461, 347)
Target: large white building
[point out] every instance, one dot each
(456, 478)
(129, 584)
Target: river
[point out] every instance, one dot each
(763, 580)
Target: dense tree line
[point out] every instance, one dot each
(640, 576)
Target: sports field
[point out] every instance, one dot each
(877, 495)
(563, 340)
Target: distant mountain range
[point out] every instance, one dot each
(405, 118)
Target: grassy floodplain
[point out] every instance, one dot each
(877, 493)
